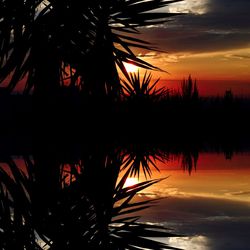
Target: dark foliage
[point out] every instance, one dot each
(81, 203)
(78, 43)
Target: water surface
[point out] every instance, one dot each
(210, 204)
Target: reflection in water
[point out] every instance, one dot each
(92, 200)
(49, 204)
(210, 206)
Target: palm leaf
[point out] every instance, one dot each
(35, 34)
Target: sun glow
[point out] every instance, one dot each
(131, 182)
(131, 68)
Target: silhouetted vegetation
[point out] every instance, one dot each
(139, 90)
(69, 53)
(85, 129)
(189, 90)
(47, 203)
(143, 112)
(50, 44)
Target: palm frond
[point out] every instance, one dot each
(38, 38)
(142, 90)
(142, 158)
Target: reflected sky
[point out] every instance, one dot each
(211, 206)
(215, 177)
(210, 42)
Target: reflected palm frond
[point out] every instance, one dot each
(17, 231)
(139, 159)
(79, 212)
(189, 161)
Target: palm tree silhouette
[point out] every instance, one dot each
(47, 43)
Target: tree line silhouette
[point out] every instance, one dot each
(68, 54)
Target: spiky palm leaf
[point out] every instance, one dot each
(137, 89)
(44, 42)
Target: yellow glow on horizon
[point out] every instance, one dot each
(131, 68)
(219, 65)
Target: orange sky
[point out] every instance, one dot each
(210, 42)
(203, 66)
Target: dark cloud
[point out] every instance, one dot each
(198, 208)
(225, 25)
(228, 6)
(224, 223)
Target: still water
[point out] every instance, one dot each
(209, 205)
(50, 201)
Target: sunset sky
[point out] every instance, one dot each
(210, 42)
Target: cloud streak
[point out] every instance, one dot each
(211, 25)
